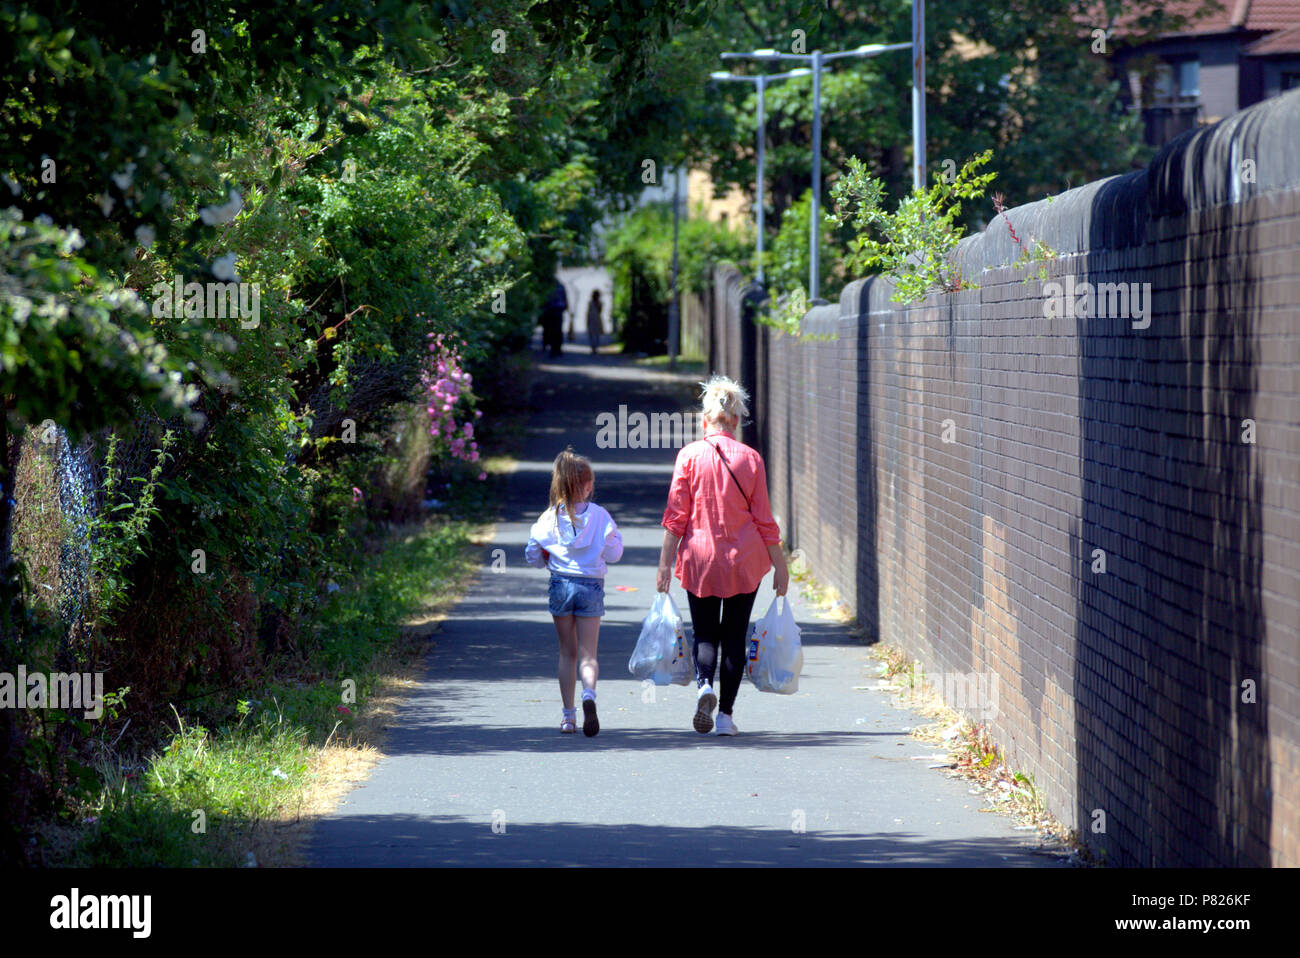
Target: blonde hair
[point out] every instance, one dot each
(723, 399)
(568, 479)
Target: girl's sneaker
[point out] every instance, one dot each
(569, 723)
(704, 706)
(725, 725)
(590, 724)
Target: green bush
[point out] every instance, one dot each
(787, 259)
(376, 173)
(916, 240)
(787, 267)
(639, 255)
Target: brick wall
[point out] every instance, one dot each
(1126, 694)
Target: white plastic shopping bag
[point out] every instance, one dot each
(661, 652)
(681, 662)
(774, 657)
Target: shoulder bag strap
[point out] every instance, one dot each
(727, 466)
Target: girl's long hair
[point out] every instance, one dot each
(568, 479)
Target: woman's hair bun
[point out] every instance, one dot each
(724, 398)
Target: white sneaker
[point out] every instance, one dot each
(704, 706)
(725, 725)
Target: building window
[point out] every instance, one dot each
(1290, 80)
(1171, 97)
(1177, 84)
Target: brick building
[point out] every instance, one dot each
(1217, 64)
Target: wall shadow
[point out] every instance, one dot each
(1166, 749)
(868, 573)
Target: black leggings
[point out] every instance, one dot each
(716, 620)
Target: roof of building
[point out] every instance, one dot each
(1232, 15)
(1283, 41)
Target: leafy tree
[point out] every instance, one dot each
(788, 264)
(377, 170)
(639, 255)
(1020, 78)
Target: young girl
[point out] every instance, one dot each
(574, 538)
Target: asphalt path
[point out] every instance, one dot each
(477, 773)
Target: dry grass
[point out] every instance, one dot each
(336, 768)
(970, 751)
(824, 600)
(344, 762)
(972, 754)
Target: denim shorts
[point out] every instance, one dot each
(576, 595)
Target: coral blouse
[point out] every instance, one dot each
(723, 551)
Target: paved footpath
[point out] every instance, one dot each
(476, 771)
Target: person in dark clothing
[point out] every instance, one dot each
(553, 319)
(595, 324)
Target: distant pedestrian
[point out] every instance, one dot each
(552, 320)
(719, 514)
(595, 324)
(574, 538)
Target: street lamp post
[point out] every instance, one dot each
(816, 59)
(918, 95)
(760, 82)
(814, 233)
(674, 308)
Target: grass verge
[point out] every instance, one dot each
(686, 365)
(245, 790)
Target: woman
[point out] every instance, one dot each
(595, 328)
(718, 512)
